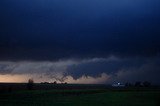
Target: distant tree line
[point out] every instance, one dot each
(139, 84)
(55, 82)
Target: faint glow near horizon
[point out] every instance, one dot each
(22, 78)
(69, 79)
(13, 78)
(47, 71)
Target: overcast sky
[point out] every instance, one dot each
(93, 41)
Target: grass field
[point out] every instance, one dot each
(81, 97)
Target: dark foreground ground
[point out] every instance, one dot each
(77, 95)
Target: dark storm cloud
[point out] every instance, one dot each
(106, 70)
(81, 40)
(120, 70)
(111, 66)
(149, 71)
(57, 29)
(4, 69)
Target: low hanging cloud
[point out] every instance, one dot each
(46, 67)
(101, 79)
(147, 72)
(94, 70)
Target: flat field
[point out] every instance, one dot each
(84, 96)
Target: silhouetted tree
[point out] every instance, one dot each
(55, 82)
(30, 84)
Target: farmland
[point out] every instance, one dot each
(77, 95)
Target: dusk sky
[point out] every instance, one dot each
(80, 41)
